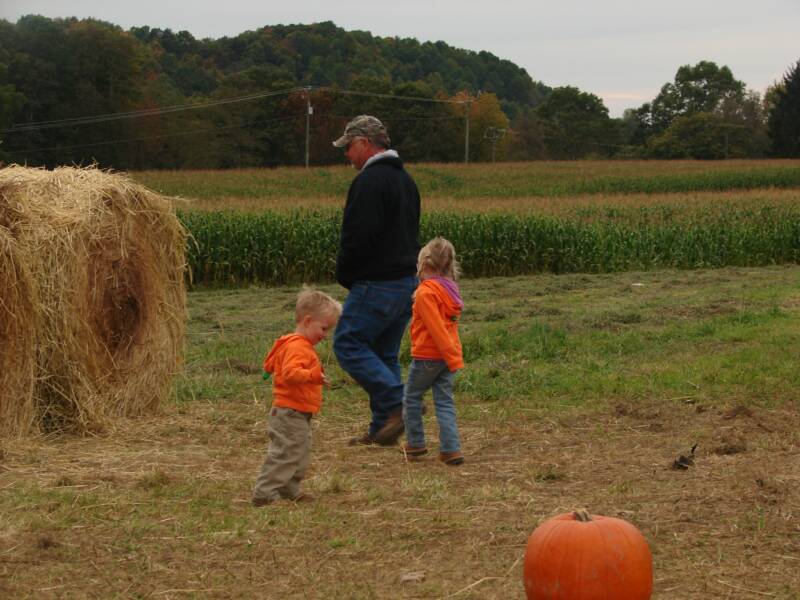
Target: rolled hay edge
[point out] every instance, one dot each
(17, 330)
(108, 260)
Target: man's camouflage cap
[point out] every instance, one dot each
(365, 126)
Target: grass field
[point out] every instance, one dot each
(580, 391)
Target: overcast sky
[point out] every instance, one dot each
(621, 50)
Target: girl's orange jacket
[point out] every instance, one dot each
(434, 325)
(296, 374)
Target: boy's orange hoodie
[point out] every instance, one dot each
(434, 325)
(296, 374)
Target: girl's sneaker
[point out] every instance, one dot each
(452, 458)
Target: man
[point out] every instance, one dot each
(377, 263)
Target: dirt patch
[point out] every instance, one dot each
(46, 542)
(738, 412)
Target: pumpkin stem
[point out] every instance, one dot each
(582, 515)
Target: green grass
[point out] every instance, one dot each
(571, 339)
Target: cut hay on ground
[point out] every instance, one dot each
(17, 330)
(108, 260)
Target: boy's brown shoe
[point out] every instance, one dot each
(261, 501)
(413, 452)
(391, 430)
(452, 458)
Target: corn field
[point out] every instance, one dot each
(281, 226)
(232, 248)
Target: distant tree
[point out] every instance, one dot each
(701, 135)
(527, 139)
(490, 125)
(744, 114)
(11, 103)
(771, 95)
(637, 125)
(422, 131)
(486, 120)
(784, 117)
(264, 132)
(702, 89)
(576, 125)
(66, 68)
(698, 88)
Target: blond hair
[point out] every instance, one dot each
(316, 304)
(439, 255)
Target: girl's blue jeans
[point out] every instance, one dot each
(422, 376)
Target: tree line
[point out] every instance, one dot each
(79, 91)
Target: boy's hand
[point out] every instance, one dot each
(326, 380)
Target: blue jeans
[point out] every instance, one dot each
(367, 342)
(423, 375)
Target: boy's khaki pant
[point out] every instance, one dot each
(288, 455)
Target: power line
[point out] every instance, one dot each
(155, 137)
(214, 129)
(89, 120)
(37, 125)
(104, 118)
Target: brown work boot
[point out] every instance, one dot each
(414, 452)
(391, 430)
(452, 458)
(362, 440)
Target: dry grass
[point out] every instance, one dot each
(684, 202)
(648, 365)
(160, 509)
(107, 258)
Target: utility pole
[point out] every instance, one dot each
(468, 103)
(309, 112)
(493, 133)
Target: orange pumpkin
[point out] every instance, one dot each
(577, 556)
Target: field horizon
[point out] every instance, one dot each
(460, 181)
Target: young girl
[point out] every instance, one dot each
(435, 351)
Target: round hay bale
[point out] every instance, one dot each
(108, 258)
(17, 331)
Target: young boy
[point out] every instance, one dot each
(297, 380)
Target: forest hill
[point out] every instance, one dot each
(160, 99)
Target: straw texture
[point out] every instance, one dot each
(107, 261)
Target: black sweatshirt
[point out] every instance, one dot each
(380, 226)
